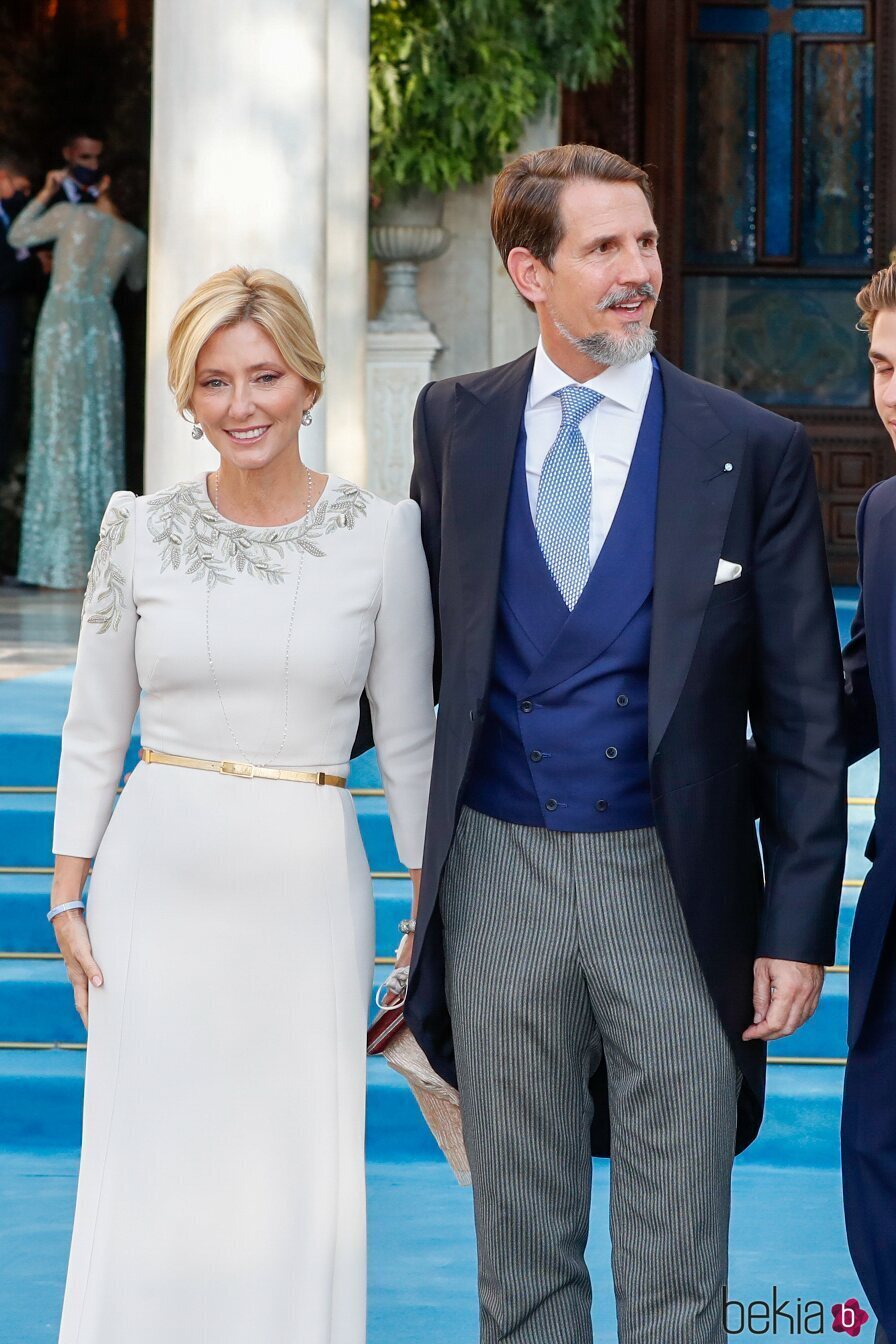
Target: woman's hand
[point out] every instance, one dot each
(405, 949)
(74, 944)
(70, 929)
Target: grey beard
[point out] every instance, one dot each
(612, 351)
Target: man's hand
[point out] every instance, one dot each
(785, 995)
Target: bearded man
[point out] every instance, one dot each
(626, 564)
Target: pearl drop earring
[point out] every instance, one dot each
(306, 418)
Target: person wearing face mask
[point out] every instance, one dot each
(81, 153)
(17, 274)
(79, 180)
(76, 456)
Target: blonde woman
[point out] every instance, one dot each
(226, 959)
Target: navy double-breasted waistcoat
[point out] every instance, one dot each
(564, 744)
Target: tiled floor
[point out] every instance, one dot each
(38, 630)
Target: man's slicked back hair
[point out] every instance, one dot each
(526, 199)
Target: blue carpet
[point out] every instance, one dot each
(787, 1232)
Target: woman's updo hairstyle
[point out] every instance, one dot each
(241, 295)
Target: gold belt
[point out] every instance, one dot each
(240, 769)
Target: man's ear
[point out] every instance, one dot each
(528, 274)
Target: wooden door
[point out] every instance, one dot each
(767, 131)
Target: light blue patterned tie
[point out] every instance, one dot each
(563, 511)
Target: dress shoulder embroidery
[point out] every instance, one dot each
(193, 537)
(104, 594)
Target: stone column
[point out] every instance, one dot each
(401, 344)
(399, 364)
(259, 158)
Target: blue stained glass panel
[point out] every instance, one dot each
(722, 147)
(829, 21)
(721, 19)
(783, 342)
(779, 148)
(837, 225)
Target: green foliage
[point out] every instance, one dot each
(452, 82)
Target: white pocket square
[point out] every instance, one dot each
(727, 571)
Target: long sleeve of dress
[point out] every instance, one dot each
(135, 271)
(399, 682)
(36, 224)
(105, 689)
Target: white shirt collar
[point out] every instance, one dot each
(626, 384)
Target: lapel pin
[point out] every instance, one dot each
(729, 466)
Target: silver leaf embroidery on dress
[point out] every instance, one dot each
(195, 538)
(104, 594)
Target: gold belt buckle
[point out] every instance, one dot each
(321, 778)
(239, 768)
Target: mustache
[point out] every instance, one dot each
(645, 291)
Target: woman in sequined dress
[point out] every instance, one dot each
(76, 457)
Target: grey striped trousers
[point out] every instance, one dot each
(561, 948)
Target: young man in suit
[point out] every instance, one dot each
(869, 1118)
(625, 564)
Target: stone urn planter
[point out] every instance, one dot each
(403, 234)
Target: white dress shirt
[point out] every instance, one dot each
(610, 432)
(72, 190)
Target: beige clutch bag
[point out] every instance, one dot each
(438, 1100)
(389, 1036)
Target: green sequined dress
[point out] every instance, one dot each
(76, 455)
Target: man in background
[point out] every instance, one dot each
(82, 153)
(17, 274)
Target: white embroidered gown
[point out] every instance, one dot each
(221, 1190)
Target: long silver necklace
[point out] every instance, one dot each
(292, 620)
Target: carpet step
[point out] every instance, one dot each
(32, 712)
(25, 899)
(41, 1099)
(37, 1004)
(26, 831)
(802, 1117)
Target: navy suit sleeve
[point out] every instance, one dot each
(797, 718)
(861, 714)
(426, 491)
